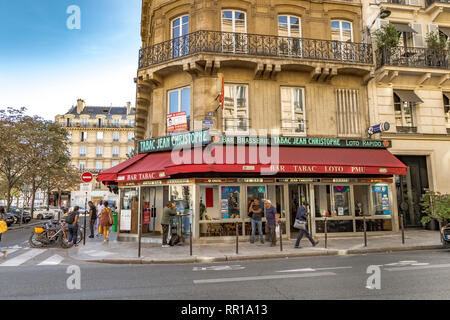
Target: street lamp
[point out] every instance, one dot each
(382, 15)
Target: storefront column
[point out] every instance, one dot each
(119, 212)
(312, 209)
(287, 212)
(196, 213)
(394, 206)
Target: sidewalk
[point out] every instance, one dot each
(126, 252)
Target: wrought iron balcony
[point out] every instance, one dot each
(413, 57)
(255, 45)
(289, 126)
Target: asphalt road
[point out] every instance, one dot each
(406, 275)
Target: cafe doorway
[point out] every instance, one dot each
(298, 193)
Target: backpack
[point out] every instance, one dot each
(3, 226)
(70, 218)
(174, 240)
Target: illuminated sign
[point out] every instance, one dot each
(167, 143)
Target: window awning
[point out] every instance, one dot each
(240, 159)
(111, 174)
(403, 28)
(445, 30)
(408, 96)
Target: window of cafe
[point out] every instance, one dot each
(129, 204)
(344, 207)
(182, 196)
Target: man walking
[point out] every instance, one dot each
(256, 212)
(92, 218)
(168, 213)
(272, 221)
(302, 213)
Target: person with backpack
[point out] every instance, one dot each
(168, 213)
(106, 221)
(3, 229)
(92, 218)
(72, 225)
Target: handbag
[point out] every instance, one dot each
(100, 230)
(300, 224)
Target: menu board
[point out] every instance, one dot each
(125, 220)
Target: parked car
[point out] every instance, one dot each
(445, 235)
(9, 219)
(17, 213)
(42, 213)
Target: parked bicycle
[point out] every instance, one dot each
(50, 234)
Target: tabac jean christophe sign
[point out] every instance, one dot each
(167, 143)
(305, 142)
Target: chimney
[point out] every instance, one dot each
(128, 107)
(80, 106)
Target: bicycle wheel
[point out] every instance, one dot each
(34, 240)
(80, 234)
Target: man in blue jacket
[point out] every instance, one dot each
(302, 213)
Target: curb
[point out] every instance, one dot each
(23, 226)
(330, 252)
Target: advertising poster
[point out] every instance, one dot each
(229, 203)
(382, 199)
(176, 122)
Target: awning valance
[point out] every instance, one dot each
(111, 174)
(445, 30)
(408, 96)
(258, 160)
(403, 28)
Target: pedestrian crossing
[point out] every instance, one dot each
(22, 256)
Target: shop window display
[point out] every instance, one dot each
(230, 202)
(181, 195)
(362, 198)
(381, 202)
(341, 201)
(322, 201)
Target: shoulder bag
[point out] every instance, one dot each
(300, 224)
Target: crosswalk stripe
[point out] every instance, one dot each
(17, 261)
(52, 261)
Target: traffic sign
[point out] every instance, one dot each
(87, 177)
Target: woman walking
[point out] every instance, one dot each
(3, 228)
(106, 221)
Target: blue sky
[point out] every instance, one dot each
(46, 67)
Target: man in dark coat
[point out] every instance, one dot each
(302, 214)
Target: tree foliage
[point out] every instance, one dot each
(387, 37)
(436, 206)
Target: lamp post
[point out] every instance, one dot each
(382, 15)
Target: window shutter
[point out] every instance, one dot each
(418, 40)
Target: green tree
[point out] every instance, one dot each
(436, 206)
(387, 37)
(436, 41)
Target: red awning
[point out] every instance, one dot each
(111, 173)
(294, 160)
(149, 168)
(238, 159)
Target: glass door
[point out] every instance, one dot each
(298, 194)
(180, 38)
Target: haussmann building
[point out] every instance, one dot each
(298, 69)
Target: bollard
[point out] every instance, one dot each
(237, 238)
(326, 233)
(281, 237)
(190, 238)
(365, 231)
(403, 228)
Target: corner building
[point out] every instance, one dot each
(298, 67)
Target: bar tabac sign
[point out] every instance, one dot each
(304, 142)
(167, 143)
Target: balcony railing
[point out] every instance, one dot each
(289, 126)
(413, 57)
(430, 2)
(94, 126)
(254, 45)
(236, 124)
